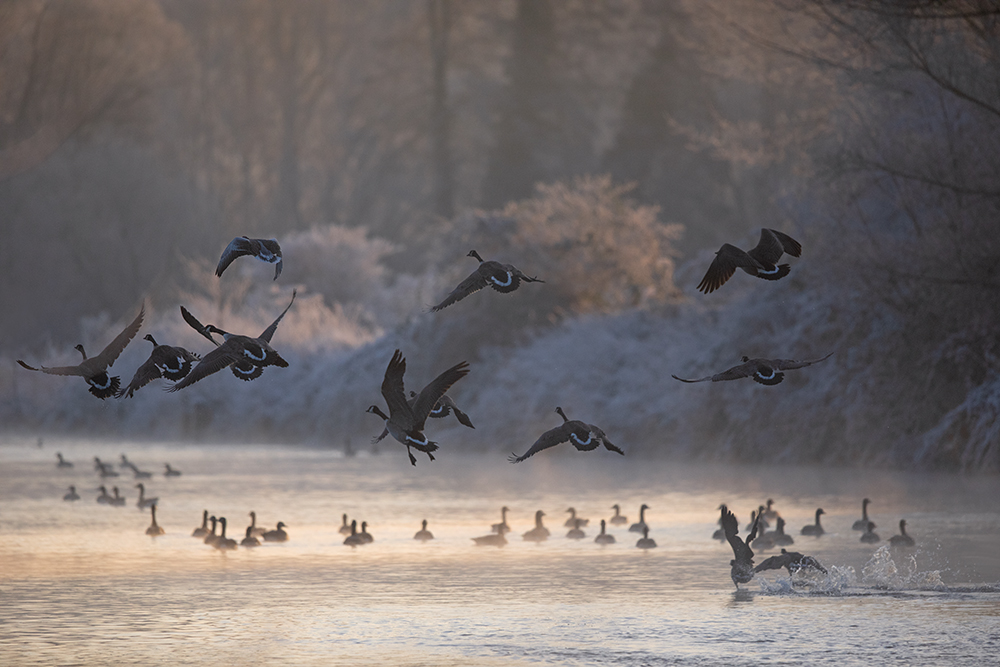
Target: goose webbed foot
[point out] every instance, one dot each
(413, 459)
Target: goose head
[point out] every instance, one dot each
(473, 253)
(364, 526)
(253, 517)
(142, 489)
(79, 348)
(423, 524)
(562, 414)
(150, 338)
(745, 358)
(602, 526)
(770, 501)
(818, 512)
(211, 328)
(281, 525)
(376, 410)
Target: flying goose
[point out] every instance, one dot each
(603, 537)
(276, 535)
(63, 463)
(117, 501)
(443, 408)
(71, 494)
(539, 533)
(266, 250)
(638, 527)
(143, 501)
(255, 530)
(760, 261)
(354, 539)
(345, 528)
(575, 533)
(646, 542)
(170, 472)
(502, 526)
(250, 540)
(814, 528)
(406, 423)
(862, 523)
(95, 369)
(501, 277)
(618, 518)
(870, 536)
(584, 437)
(901, 540)
(763, 371)
(491, 540)
(224, 543)
(571, 521)
(165, 361)
(247, 356)
(423, 534)
(792, 561)
(202, 530)
(155, 529)
(741, 566)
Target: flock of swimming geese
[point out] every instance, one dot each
(247, 356)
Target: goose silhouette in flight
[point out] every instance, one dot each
(762, 371)
(266, 250)
(501, 277)
(583, 436)
(760, 261)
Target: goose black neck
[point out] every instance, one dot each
(473, 253)
(150, 338)
(79, 348)
(562, 414)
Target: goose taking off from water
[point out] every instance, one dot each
(405, 423)
(266, 250)
(501, 277)
(641, 524)
(95, 369)
(792, 561)
(862, 523)
(423, 534)
(63, 463)
(443, 408)
(276, 535)
(250, 540)
(248, 357)
(870, 536)
(618, 518)
(143, 501)
(71, 494)
(760, 261)
(741, 566)
(901, 540)
(763, 371)
(165, 361)
(154, 529)
(646, 542)
(603, 537)
(814, 528)
(584, 437)
(539, 533)
(202, 530)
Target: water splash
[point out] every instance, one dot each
(836, 581)
(882, 572)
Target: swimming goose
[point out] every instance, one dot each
(862, 523)
(584, 437)
(276, 535)
(139, 474)
(760, 261)
(124, 463)
(354, 539)
(638, 526)
(63, 463)
(618, 518)
(365, 535)
(247, 356)
(870, 536)
(202, 530)
(604, 538)
(406, 423)
(117, 501)
(266, 250)
(345, 528)
(774, 537)
(497, 527)
(571, 521)
(770, 514)
(212, 537)
(646, 542)
(792, 561)
(539, 533)
(224, 543)
(814, 528)
(104, 469)
(763, 371)
(423, 534)
(491, 540)
(741, 566)
(155, 529)
(170, 472)
(95, 369)
(255, 530)
(901, 540)
(250, 540)
(165, 361)
(105, 498)
(444, 407)
(72, 494)
(575, 533)
(501, 277)
(143, 501)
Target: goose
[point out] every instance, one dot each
(63, 463)
(741, 566)
(104, 498)
(618, 518)
(646, 542)
(248, 357)
(501, 277)
(763, 371)
(224, 543)
(250, 540)
(345, 528)
(124, 463)
(491, 540)
(117, 501)
(792, 561)
(423, 534)
(638, 526)
(71, 494)
(276, 535)
(354, 539)
(165, 361)
(139, 474)
(104, 469)
(95, 369)
(575, 533)
(444, 407)
(770, 514)
(901, 540)
(760, 261)
(170, 472)
(266, 250)
(406, 423)
(814, 528)
(870, 536)
(584, 437)
(862, 523)
(604, 538)
(754, 518)
(202, 530)
(502, 526)
(155, 529)
(143, 501)
(365, 535)
(255, 530)
(776, 537)
(571, 521)
(211, 537)
(539, 533)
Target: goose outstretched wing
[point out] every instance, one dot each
(735, 373)
(56, 370)
(475, 282)
(196, 325)
(741, 552)
(792, 364)
(213, 362)
(114, 348)
(238, 247)
(269, 332)
(392, 390)
(551, 438)
(727, 260)
(432, 393)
